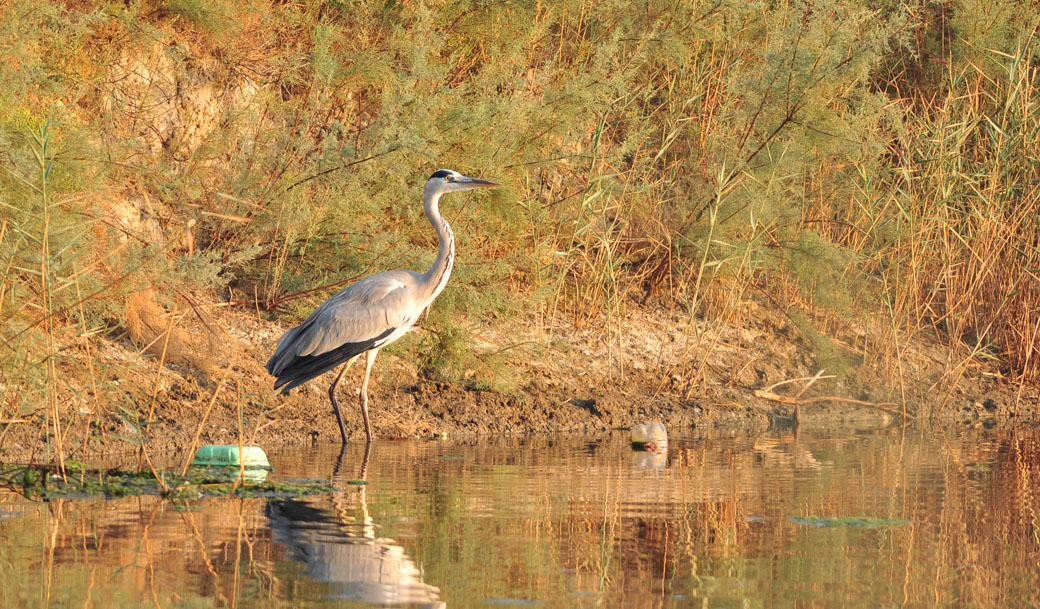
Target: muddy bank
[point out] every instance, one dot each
(657, 368)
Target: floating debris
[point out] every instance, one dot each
(652, 437)
(226, 455)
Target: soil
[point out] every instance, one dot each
(653, 365)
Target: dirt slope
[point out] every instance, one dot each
(656, 368)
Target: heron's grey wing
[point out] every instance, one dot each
(364, 311)
(362, 314)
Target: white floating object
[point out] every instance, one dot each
(650, 437)
(649, 433)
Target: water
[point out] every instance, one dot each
(882, 519)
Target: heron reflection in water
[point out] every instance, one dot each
(344, 551)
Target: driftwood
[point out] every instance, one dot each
(769, 394)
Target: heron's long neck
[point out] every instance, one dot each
(437, 277)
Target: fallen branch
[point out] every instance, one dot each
(769, 394)
(811, 379)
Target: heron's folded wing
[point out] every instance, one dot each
(362, 312)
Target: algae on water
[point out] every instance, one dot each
(860, 522)
(198, 482)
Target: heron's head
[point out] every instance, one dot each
(446, 180)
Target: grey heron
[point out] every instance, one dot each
(366, 316)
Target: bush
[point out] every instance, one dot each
(867, 163)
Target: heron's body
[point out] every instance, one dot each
(368, 315)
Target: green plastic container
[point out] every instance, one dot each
(225, 455)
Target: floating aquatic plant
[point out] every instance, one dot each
(197, 482)
(860, 522)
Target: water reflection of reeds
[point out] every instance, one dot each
(580, 524)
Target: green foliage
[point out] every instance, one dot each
(210, 16)
(674, 151)
(828, 357)
(40, 254)
(447, 353)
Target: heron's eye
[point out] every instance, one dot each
(449, 178)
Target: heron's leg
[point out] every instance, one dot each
(332, 398)
(370, 358)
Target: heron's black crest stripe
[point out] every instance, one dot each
(441, 173)
(307, 367)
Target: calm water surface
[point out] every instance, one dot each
(901, 518)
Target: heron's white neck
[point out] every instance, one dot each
(437, 277)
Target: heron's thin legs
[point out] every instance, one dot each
(332, 397)
(370, 359)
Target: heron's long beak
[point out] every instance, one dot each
(476, 182)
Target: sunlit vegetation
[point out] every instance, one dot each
(868, 168)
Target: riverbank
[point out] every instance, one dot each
(651, 366)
